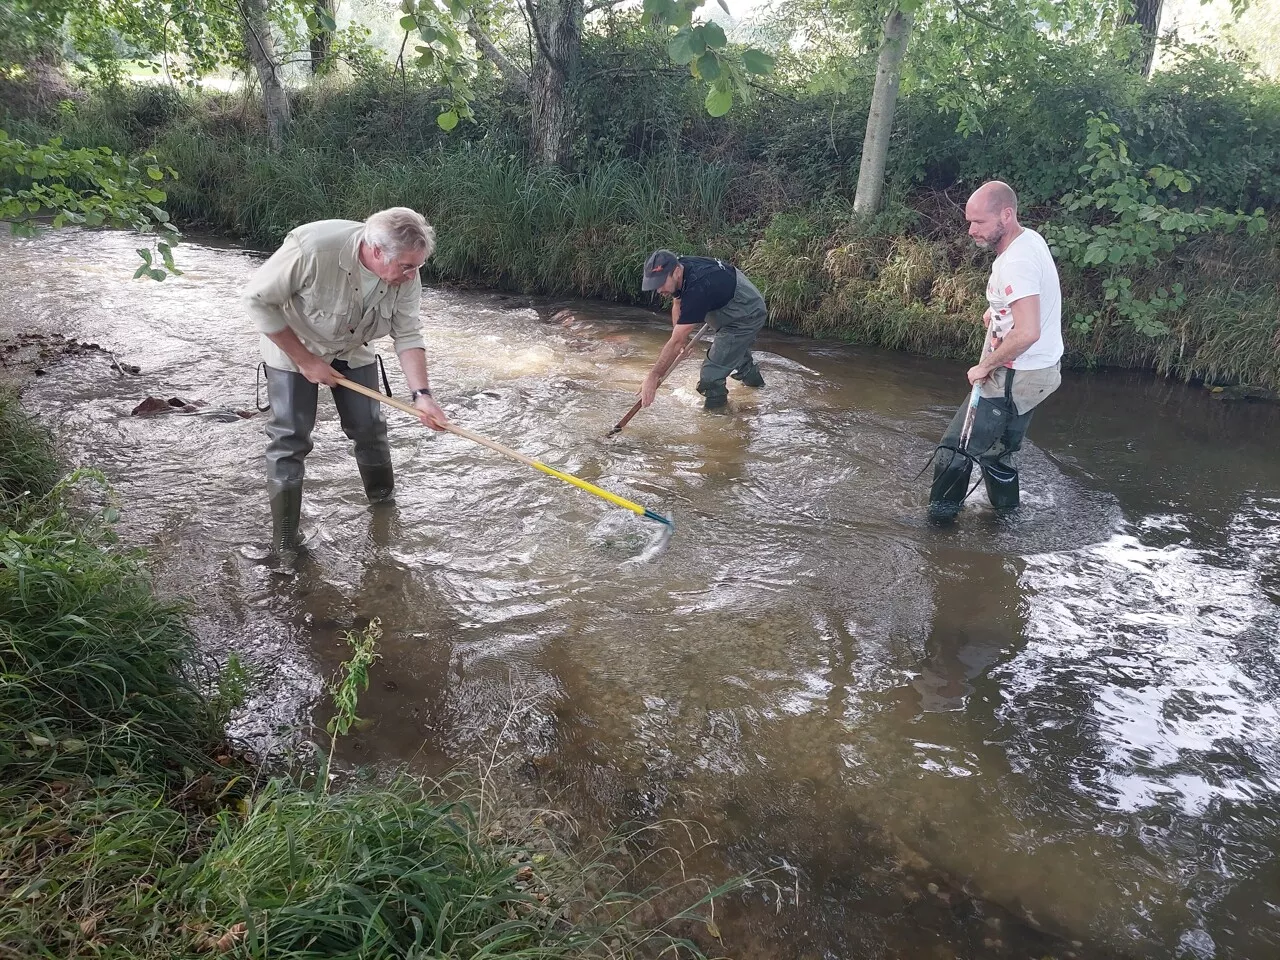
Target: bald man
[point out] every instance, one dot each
(1021, 362)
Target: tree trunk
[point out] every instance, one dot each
(557, 29)
(510, 72)
(884, 99)
(322, 38)
(260, 45)
(1146, 14)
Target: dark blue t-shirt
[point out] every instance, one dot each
(708, 285)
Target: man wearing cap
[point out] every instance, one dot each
(1020, 363)
(703, 288)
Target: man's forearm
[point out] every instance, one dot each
(414, 364)
(1014, 345)
(670, 351)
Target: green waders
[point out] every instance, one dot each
(293, 418)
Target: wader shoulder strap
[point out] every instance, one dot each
(382, 368)
(259, 375)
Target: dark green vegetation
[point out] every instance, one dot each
(1155, 283)
(129, 829)
(553, 167)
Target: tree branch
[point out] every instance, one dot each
(513, 74)
(635, 72)
(531, 15)
(600, 5)
(963, 11)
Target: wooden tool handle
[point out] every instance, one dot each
(635, 407)
(410, 408)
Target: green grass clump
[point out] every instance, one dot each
(28, 466)
(94, 665)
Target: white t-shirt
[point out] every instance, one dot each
(1026, 269)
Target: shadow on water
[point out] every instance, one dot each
(1046, 735)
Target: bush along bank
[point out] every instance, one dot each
(129, 828)
(1163, 266)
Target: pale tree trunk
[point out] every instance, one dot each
(884, 99)
(322, 39)
(1146, 14)
(260, 46)
(557, 27)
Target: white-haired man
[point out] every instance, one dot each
(333, 287)
(1020, 365)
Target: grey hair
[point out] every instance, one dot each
(399, 229)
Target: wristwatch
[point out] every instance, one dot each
(420, 392)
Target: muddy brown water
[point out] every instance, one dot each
(1064, 721)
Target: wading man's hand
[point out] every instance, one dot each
(430, 414)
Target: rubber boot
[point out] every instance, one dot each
(286, 516)
(1002, 485)
(379, 481)
(716, 394)
(951, 472)
(749, 374)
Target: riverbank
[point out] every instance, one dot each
(131, 827)
(1200, 304)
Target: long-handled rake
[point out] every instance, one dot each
(581, 484)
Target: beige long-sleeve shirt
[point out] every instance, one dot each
(312, 286)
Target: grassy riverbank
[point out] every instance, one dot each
(130, 828)
(771, 189)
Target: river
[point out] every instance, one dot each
(1051, 734)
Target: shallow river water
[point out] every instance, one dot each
(1065, 722)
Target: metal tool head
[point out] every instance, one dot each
(650, 515)
(666, 528)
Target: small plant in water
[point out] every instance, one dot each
(235, 681)
(353, 678)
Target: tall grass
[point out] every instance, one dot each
(28, 467)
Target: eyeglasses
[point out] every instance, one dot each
(406, 267)
(402, 267)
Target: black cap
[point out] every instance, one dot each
(657, 268)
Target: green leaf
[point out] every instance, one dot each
(680, 48)
(708, 66)
(155, 173)
(713, 34)
(665, 11)
(757, 61)
(448, 120)
(145, 254)
(725, 7)
(719, 101)
(326, 20)
(408, 23)
(166, 254)
(140, 271)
